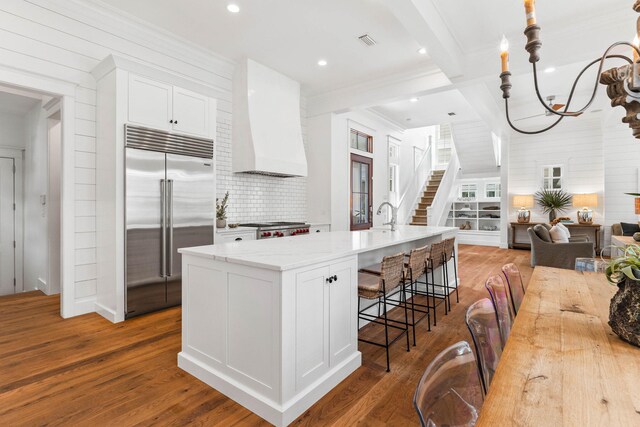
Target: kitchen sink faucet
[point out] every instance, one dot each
(394, 215)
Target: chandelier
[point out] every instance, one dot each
(623, 83)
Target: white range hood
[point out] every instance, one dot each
(267, 135)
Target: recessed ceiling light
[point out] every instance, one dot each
(422, 51)
(233, 8)
(549, 70)
(322, 63)
(413, 100)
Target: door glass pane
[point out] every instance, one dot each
(364, 178)
(364, 208)
(355, 185)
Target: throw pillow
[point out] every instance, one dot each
(542, 233)
(629, 229)
(565, 229)
(558, 235)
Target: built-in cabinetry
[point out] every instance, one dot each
(320, 228)
(132, 93)
(477, 212)
(240, 234)
(274, 341)
(324, 304)
(163, 106)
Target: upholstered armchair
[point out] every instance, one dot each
(560, 255)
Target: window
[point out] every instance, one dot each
(393, 178)
(444, 143)
(468, 191)
(493, 190)
(361, 141)
(552, 178)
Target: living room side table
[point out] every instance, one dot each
(591, 230)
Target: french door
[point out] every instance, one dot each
(361, 211)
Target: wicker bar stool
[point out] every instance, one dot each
(434, 259)
(380, 287)
(450, 254)
(416, 267)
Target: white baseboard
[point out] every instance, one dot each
(105, 312)
(84, 306)
(277, 414)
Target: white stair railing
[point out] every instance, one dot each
(413, 192)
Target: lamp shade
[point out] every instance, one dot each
(523, 201)
(585, 200)
(637, 205)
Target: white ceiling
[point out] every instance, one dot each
(292, 35)
(429, 110)
(480, 24)
(16, 104)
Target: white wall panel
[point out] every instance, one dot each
(65, 40)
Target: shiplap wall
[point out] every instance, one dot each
(65, 40)
(574, 144)
(474, 146)
(622, 163)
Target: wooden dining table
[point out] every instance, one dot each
(562, 365)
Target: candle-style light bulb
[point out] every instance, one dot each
(504, 54)
(530, 8)
(636, 43)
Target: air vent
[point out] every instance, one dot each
(367, 39)
(158, 140)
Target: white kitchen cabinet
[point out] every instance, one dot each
(150, 103)
(162, 106)
(190, 112)
(227, 236)
(324, 306)
(320, 228)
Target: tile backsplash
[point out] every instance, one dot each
(256, 197)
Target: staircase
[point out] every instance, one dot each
(430, 190)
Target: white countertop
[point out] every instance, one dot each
(228, 230)
(287, 253)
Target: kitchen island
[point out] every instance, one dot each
(273, 324)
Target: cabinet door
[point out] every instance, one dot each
(190, 112)
(342, 311)
(150, 103)
(312, 326)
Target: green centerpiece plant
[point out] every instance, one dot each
(624, 311)
(553, 201)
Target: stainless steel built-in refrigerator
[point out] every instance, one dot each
(170, 204)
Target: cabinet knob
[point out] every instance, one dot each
(238, 239)
(330, 280)
(175, 122)
(335, 278)
(171, 121)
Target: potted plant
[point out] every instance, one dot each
(624, 311)
(221, 211)
(553, 201)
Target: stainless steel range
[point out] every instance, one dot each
(268, 230)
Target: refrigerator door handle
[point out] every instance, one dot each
(170, 219)
(163, 220)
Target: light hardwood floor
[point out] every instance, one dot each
(87, 371)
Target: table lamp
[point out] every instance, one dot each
(585, 216)
(523, 202)
(637, 205)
